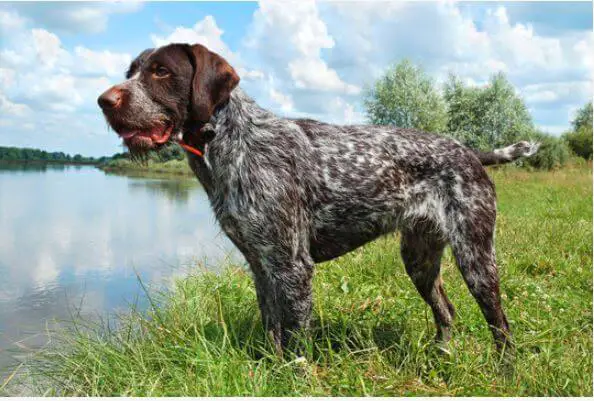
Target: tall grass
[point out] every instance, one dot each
(372, 334)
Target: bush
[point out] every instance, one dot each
(580, 142)
(553, 153)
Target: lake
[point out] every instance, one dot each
(73, 238)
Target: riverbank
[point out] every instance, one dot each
(372, 333)
(125, 166)
(50, 162)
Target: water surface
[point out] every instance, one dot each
(73, 237)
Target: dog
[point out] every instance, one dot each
(290, 193)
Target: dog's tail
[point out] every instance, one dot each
(508, 154)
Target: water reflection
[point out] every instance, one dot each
(178, 190)
(74, 233)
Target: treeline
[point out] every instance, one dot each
(481, 117)
(29, 154)
(168, 152)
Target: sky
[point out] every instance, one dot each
(298, 59)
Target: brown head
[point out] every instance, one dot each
(173, 88)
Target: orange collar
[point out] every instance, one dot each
(190, 148)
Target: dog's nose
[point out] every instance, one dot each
(110, 99)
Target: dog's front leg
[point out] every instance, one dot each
(270, 319)
(285, 296)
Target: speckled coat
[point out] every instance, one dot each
(290, 193)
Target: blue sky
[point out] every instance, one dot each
(297, 59)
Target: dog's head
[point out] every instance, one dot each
(167, 90)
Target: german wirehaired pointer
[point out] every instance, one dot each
(290, 193)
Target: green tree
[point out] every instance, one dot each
(580, 139)
(171, 151)
(406, 97)
(486, 117)
(583, 117)
(28, 154)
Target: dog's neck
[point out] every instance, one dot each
(237, 118)
(232, 119)
(228, 134)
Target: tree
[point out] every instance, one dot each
(583, 117)
(487, 117)
(580, 139)
(406, 97)
(28, 154)
(171, 151)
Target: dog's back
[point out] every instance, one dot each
(371, 180)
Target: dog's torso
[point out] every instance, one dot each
(340, 186)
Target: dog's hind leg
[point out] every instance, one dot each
(421, 252)
(472, 246)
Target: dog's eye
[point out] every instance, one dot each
(161, 72)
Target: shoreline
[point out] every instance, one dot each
(371, 333)
(178, 168)
(58, 162)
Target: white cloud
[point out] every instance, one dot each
(205, 32)
(249, 74)
(39, 77)
(7, 77)
(71, 17)
(585, 50)
(16, 59)
(48, 77)
(47, 47)
(313, 73)
(10, 21)
(320, 55)
(66, 92)
(102, 62)
(290, 45)
(441, 38)
(285, 101)
(8, 108)
(342, 112)
(369, 37)
(518, 45)
(299, 58)
(557, 91)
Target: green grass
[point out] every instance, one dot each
(125, 166)
(372, 334)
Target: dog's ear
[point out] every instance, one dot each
(138, 62)
(213, 81)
